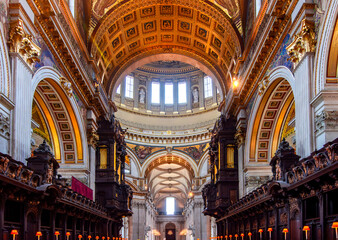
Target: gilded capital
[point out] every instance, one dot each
(304, 42)
(22, 43)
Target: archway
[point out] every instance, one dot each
(170, 231)
(325, 67)
(57, 118)
(272, 118)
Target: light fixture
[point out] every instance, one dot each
(270, 230)
(235, 82)
(38, 234)
(335, 226)
(191, 194)
(260, 233)
(250, 234)
(285, 231)
(236, 236)
(242, 235)
(89, 237)
(80, 236)
(67, 235)
(305, 229)
(14, 232)
(57, 233)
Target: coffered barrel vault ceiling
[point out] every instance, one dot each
(170, 176)
(131, 30)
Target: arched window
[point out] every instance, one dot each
(207, 87)
(129, 87)
(182, 92)
(71, 5)
(155, 92)
(258, 6)
(118, 90)
(169, 93)
(170, 205)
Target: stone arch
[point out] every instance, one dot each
(156, 155)
(325, 42)
(279, 91)
(133, 159)
(204, 161)
(54, 96)
(5, 76)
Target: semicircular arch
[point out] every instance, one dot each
(270, 106)
(191, 163)
(49, 87)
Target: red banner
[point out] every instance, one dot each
(81, 188)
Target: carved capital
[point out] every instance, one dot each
(22, 43)
(304, 42)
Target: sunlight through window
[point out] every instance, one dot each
(129, 87)
(207, 87)
(182, 92)
(155, 92)
(169, 93)
(170, 205)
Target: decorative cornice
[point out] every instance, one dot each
(55, 31)
(278, 21)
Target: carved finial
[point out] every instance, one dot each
(43, 148)
(284, 145)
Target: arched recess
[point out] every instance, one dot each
(326, 48)
(203, 164)
(201, 64)
(5, 77)
(268, 116)
(150, 160)
(134, 163)
(53, 97)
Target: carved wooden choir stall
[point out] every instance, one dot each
(35, 201)
(298, 203)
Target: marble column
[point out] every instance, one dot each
(240, 140)
(302, 95)
(22, 114)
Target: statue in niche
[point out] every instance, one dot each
(195, 95)
(142, 95)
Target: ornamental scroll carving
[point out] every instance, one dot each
(22, 43)
(326, 120)
(304, 42)
(67, 86)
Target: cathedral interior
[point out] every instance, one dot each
(168, 119)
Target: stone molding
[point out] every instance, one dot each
(326, 120)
